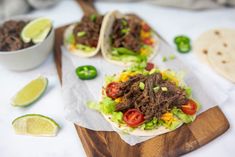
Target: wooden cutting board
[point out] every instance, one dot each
(208, 125)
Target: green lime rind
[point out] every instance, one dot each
(42, 36)
(35, 125)
(36, 30)
(36, 115)
(33, 100)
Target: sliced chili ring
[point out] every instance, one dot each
(183, 47)
(86, 72)
(181, 38)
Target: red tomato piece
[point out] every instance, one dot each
(146, 27)
(190, 107)
(113, 90)
(149, 66)
(133, 117)
(148, 41)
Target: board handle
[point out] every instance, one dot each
(87, 6)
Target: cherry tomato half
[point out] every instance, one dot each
(190, 107)
(146, 27)
(149, 66)
(133, 117)
(113, 90)
(148, 41)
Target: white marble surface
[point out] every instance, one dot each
(169, 22)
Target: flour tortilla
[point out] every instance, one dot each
(222, 59)
(78, 52)
(211, 38)
(216, 48)
(106, 47)
(139, 132)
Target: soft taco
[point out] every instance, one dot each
(146, 103)
(127, 39)
(84, 38)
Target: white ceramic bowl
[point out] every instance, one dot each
(28, 58)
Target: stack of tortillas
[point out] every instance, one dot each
(216, 48)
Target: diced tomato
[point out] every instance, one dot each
(148, 41)
(146, 27)
(133, 117)
(113, 90)
(190, 107)
(149, 66)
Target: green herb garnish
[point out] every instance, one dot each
(156, 89)
(172, 57)
(81, 34)
(164, 59)
(93, 17)
(164, 89)
(141, 85)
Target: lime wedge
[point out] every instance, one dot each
(36, 30)
(35, 125)
(31, 92)
(42, 36)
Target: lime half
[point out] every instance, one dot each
(35, 125)
(36, 30)
(31, 92)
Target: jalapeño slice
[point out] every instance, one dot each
(86, 72)
(181, 38)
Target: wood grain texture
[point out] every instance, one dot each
(208, 125)
(87, 6)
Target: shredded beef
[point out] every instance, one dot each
(91, 27)
(10, 36)
(126, 33)
(149, 102)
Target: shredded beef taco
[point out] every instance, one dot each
(146, 103)
(83, 38)
(127, 40)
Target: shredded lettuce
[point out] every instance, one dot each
(188, 91)
(138, 67)
(122, 51)
(85, 48)
(155, 123)
(117, 117)
(126, 55)
(174, 124)
(148, 48)
(182, 116)
(93, 105)
(128, 58)
(107, 105)
(150, 125)
(70, 39)
(109, 79)
(154, 70)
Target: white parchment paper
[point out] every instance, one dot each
(76, 92)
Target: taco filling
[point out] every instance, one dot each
(131, 40)
(147, 100)
(85, 34)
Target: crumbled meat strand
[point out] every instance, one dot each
(126, 33)
(149, 102)
(10, 36)
(91, 29)
(131, 85)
